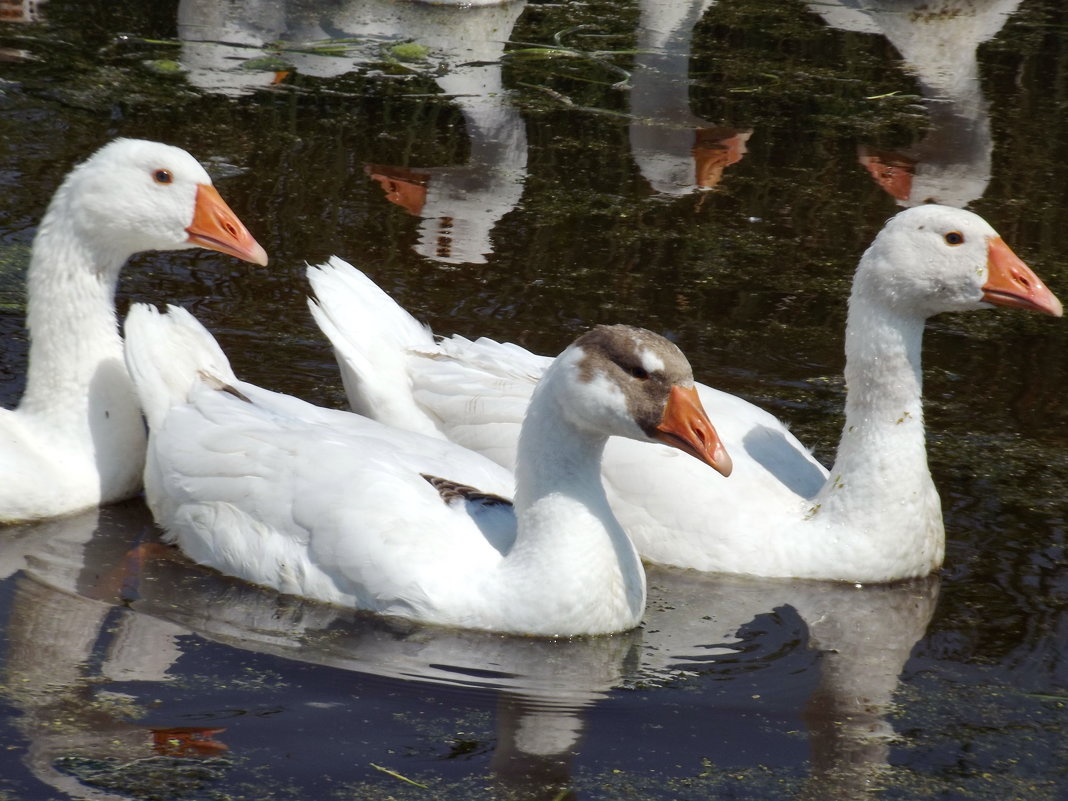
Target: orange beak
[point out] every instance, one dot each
(686, 426)
(1010, 282)
(216, 227)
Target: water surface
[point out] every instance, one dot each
(708, 170)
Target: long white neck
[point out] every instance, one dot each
(569, 545)
(75, 347)
(880, 486)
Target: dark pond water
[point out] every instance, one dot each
(523, 171)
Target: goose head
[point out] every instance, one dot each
(134, 195)
(931, 259)
(630, 382)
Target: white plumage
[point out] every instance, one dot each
(76, 438)
(874, 517)
(335, 507)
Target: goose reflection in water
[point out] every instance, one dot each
(460, 48)
(938, 42)
(83, 589)
(68, 589)
(21, 10)
(459, 205)
(675, 151)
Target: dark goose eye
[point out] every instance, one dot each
(162, 176)
(954, 238)
(638, 372)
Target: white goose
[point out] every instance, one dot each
(335, 507)
(76, 438)
(874, 517)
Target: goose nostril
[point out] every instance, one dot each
(701, 434)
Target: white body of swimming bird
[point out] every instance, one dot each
(76, 438)
(875, 516)
(332, 506)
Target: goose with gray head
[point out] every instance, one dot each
(335, 507)
(875, 516)
(76, 438)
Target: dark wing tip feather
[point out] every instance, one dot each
(220, 385)
(453, 491)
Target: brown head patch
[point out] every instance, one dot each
(642, 364)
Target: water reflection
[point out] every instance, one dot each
(93, 605)
(224, 43)
(21, 10)
(938, 42)
(240, 46)
(51, 633)
(231, 48)
(863, 635)
(675, 151)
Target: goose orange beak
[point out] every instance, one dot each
(1010, 282)
(216, 227)
(686, 426)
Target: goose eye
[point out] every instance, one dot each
(162, 176)
(638, 372)
(954, 238)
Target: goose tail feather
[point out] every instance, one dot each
(373, 337)
(167, 355)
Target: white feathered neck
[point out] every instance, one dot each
(76, 438)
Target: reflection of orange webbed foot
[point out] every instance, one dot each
(187, 741)
(122, 582)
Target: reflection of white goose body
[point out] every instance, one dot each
(459, 205)
(335, 507)
(60, 609)
(938, 43)
(875, 517)
(219, 37)
(22, 11)
(76, 438)
(864, 636)
(676, 151)
(83, 615)
(463, 43)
